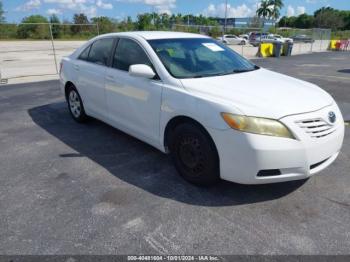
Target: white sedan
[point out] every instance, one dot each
(232, 40)
(282, 39)
(216, 113)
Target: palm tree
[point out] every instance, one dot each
(276, 6)
(264, 10)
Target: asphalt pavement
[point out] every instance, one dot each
(67, 188)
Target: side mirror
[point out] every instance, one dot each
(144, 71)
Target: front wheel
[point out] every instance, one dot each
(194, 154)
(75, 105)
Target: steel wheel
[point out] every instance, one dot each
(194, 154)
(190, 154)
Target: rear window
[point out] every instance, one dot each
(85, 54)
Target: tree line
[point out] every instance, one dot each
(36, 26)
(80, 27)
(325, 17)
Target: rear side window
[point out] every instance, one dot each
(101, 51)
(85, 54)
(129, 53)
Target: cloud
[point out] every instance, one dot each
(54, 11)
(299, 10)
(322, 2)
(232, 11)
(290, 11)
(103, 5)
(29, 5)
(161, 6)
(88, 7)
(68, 4)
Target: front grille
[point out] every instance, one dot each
(316, 128)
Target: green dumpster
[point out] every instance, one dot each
(287, 48)
(277, 47)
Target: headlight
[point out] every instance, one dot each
(257, 125)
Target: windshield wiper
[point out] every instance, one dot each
(246, 70)
(227, 73)
(208, 75)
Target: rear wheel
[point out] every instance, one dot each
(75, 105)
(194, 154)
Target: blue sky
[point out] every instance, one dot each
(17, 9)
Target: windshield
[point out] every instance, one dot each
(199, 57)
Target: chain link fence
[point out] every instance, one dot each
(30, 50)
(33, 50)
(305, 40)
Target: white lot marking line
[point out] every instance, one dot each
(156, 245)
(325, 76)
(312, 65)
(338, 58)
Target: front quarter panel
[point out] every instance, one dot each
(177, 101)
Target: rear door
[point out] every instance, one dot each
(91, 69)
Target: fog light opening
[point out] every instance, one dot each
(269, 172)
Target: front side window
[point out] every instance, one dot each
(101, 51)
(129, 53)
(199, 57)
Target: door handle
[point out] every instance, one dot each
(76, 67)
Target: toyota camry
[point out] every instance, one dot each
(215, 112)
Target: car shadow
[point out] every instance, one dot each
(142, 165)
(344, 71)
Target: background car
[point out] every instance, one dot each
(303, 39)
(244, 36)
(283, 39)
(232, 40)
(256, 38)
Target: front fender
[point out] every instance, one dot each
(206, 111)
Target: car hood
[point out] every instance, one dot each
(261, 93)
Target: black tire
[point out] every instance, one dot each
(75, 105)
(194, 154)
(243, 42)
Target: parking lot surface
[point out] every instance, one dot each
(67, 188)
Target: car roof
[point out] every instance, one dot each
(150, 35)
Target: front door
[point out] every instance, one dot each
(133, 102)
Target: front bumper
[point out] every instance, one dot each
(243, 155)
